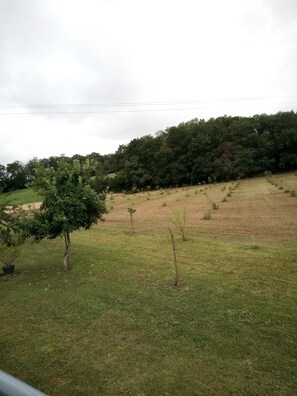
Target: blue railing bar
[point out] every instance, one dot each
(10, 386)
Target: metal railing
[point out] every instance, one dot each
(11, 386)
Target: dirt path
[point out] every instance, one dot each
(35, 205)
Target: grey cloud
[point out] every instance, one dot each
(91, 51)
(32, 37)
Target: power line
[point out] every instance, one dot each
(132, 107)
(152, 103)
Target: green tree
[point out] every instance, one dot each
(3, 177)
(11, 233)
(69, 202)
(16, 176)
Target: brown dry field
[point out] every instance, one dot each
(257, 211)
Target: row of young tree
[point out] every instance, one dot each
(222, 148)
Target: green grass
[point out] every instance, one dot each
(20, 197)
(115, 325)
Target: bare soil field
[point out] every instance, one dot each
(256, 210)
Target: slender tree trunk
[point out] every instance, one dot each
(131, 221)
(67, 251)
(176, 282)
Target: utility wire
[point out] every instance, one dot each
(132, 107)
(154, 103)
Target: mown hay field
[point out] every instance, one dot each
(115, 325)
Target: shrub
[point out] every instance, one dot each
(207, 215)
(214, 206)
(293, 193)
(267, 173)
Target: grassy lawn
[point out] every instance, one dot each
(20, 197)
(115, 325)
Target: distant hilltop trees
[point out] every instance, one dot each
(218, 149)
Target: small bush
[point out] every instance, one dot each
(255, 247)
(207, 216)
(267, 173)
(293, 193)
(224, 199)
(164, 204)
(229, 194)
(214, 206)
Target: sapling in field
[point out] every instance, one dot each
(179, 220)
(254, 246)
(207, 215)
(176, 280)
(214, 206)
(131, 212)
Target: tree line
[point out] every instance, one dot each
(222, 148)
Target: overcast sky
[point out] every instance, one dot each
(78, 76)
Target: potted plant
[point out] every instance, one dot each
(8, 257)
(11, 237)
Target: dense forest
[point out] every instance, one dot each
(199, 150)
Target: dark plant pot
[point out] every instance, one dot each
(8, 269)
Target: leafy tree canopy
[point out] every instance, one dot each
(221, 148)
(69, 201)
